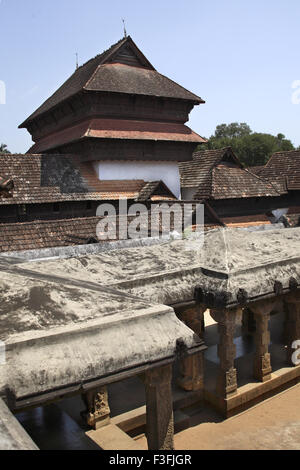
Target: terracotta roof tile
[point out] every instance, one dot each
(218, 174)
(118, 129)
(67, 232)
(283, 170)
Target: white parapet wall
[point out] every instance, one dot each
(166, 171)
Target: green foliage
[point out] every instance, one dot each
(252, 148)
(4, 149)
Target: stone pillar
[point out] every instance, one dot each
(191, 370)
(248, 322)
(293, 328)
(191, 367)
(193, 317)
(227, 378)
(97, 412)
(159, 406)
(262, 361)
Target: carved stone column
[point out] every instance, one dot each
(97, 412)
(227, 379)
(262, 360)
(159, 406)
(292, 327)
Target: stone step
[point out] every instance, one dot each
(111, 437)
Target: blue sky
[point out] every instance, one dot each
(240, 56)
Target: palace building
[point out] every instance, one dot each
(121, 115)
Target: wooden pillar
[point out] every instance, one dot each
(97, 412)
(159, 406)
(292, 327)
(227, 378)
(262, 360)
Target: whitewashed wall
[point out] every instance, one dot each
(168, 172)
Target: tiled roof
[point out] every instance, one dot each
(283, 169)
(58, 178)
(218, 174)
(155, 190)
(118, 129)
(256, 169)
(77, 231)
(197, 171)
(46, 234)
(123, 78)
(120, 78)
(6, 187)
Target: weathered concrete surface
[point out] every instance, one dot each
(12, 435)
(229, 260)
(74, 320)
(57, 334)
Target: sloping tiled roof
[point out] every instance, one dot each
(121, 78)
(197, 171)
(218, 174)
(155, 190)
(256, 169)
(118, 129)
(283, 169)
(99, 75)
(233, 182)
(47, 233)
(77, 231)
(59, 178)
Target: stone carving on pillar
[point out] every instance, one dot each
(159, 406)
(292, 302)
(97, 413)
(227, 379)
(262, 361)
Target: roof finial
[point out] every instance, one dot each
(125, 32)
(77, 61)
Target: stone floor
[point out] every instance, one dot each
(272, 425)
